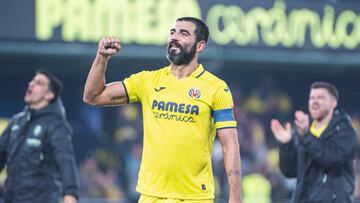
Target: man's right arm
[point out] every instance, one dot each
(96, 91)
(288, 150)
(288, 159)
(4, 141)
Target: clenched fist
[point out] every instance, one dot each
(109, 46)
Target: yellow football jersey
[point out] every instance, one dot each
(317, 131)
(180, 122)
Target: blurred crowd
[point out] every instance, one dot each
(109, 148)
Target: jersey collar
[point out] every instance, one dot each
(196, 74)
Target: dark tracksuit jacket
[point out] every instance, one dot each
(37, 149)
(323, 166)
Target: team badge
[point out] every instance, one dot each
(194, 93)
(37, 130)
(14, 127)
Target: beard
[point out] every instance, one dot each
(183, 57)
(321, 114)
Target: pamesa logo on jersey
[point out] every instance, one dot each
(175, 107)
(174, 111)
(195, 93)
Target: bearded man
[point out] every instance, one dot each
(184, 107)
(319, 152)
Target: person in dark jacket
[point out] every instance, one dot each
(319, 152)
(37, 148)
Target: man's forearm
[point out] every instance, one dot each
(233, 170)
(230, 145)
(95, 82)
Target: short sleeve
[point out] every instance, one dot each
(223, 108)
(134, 86)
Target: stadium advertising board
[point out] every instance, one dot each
(258, 23)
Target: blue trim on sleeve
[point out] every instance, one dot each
(223, 115)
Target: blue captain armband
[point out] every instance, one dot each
(223, 115)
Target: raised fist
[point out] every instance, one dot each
(109, 46)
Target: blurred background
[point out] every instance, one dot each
(269, 52)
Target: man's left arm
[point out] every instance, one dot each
(62, 148)
(230, 146)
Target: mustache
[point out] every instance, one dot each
(315, 104)
(174, 43)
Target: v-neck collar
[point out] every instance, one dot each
(196, 74)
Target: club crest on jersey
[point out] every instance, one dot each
(194, 93)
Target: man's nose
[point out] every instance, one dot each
(31, 83)
(174, 37)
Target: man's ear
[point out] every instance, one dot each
(334, 103)
(49, 95)
(200, 46)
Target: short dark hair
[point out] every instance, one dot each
(55, 85)
(201, 30)
(329, 87)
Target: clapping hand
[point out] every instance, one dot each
(301, 122)
(283, 135)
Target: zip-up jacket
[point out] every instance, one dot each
(323, 166)
(37, 149)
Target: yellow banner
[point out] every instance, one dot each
(147, 22)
